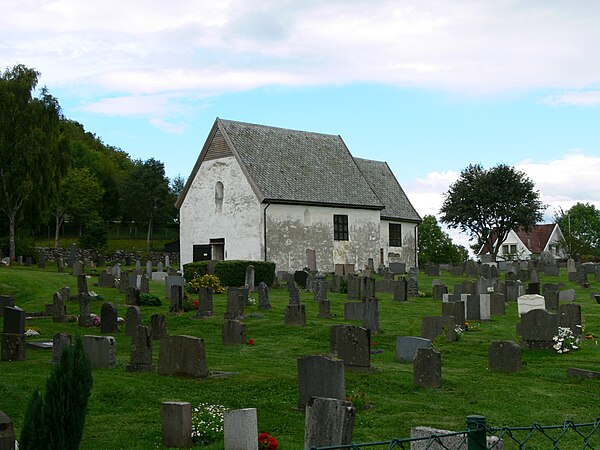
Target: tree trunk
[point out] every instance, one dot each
(57, 232)
(11, 236)
(149, 236)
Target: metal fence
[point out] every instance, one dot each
(479, 436)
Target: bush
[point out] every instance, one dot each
(56, 421)
(94, 235)
(233, 273)
(211, 281)
(149, 300)
(194, 270)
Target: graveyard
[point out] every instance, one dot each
(261, 369)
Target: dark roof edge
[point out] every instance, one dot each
(336, 205)
(398, 219)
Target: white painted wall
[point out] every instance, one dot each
(291, 229)
(238, 221)
(406, 253)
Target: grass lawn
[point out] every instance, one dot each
(124, 408)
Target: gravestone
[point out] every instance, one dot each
(294, 292)
(106, 280)
(434, 326)
(533, 288)
(144, 284)
(233, 332)
(141, 351)
(397, 267)
(13, 334)
(149, 268)
(551, 300)
(182, 355)
(108, 318)
(526, 303)
(534, 277)
(176, 299)
(300, 277)
(352, 344)
(82, 286)
(132, 297)
(59, 313)
(325, 309)
(124, 283)
(101, 351)
(249, 282)
(427, 368)
(336, 284)
(7, 432)
(504, 356)
(295, 315)
(354, 311)
(412, 287)
(320, 376)
(571, 267)
(438, 291)
(263, 296)
(497, 304)
(457, 271)
(371, 314)
(158, 327)
(176, 421)
(567, 295)
(310, 283)
(329, 422)
(569, 316)
(243, 291)
(205, 306)
(173, 280)
(537, 329)
(85, 318)
(472, 306)
(552, 270)
(60, 341)
(235, 305)
(353, 287)
(77, 269)
(6, 300)
(407, 346)
(320, 290)
(240, 428)
(133, 319)
(456, 310)
(116, 270)
(60, 265)
(485, 307)
(400, 290)
(72, 255)
(138, 265)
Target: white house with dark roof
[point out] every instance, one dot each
(265, 193)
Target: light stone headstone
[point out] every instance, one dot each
(311, 259)
(567, 295)
(526, 303)
(485, 311)
(240, 429)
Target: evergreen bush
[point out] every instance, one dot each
(56, 421)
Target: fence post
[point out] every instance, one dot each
(476, 438)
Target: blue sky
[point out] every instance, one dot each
(428, 86)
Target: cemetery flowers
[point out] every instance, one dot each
(267, 442)
(207, 423)
(565, 340)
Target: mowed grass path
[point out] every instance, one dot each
(124, 408)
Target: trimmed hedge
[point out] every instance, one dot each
(233, 272)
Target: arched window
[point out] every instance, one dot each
(306, 218)
(219, 196)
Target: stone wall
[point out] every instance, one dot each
(111, 257)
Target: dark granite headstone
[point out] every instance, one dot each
(504, 356)
(427, 368)
(320, 376)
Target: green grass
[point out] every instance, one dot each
(124, 409)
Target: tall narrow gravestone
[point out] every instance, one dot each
(13, 334)
(141, 351)
(427, 368)
(108, 318)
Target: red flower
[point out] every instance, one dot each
(267, 442)
(196, 304)
(249, 341)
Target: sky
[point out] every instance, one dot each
(427, 86)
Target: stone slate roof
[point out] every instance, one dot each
(290, 166)
(388, 190)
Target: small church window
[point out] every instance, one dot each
(340, 227)
(395, 232)
(219, 196)
(306, 218)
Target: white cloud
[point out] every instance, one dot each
(142, 47)
(169, 127)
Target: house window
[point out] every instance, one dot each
(513, 249)
(505, 250)
(340, 227)
(395, 235)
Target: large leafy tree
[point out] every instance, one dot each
(146, 196)
(32, 159)
(580, 225)
(435, 246)
(489, 203)
(79, 197)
